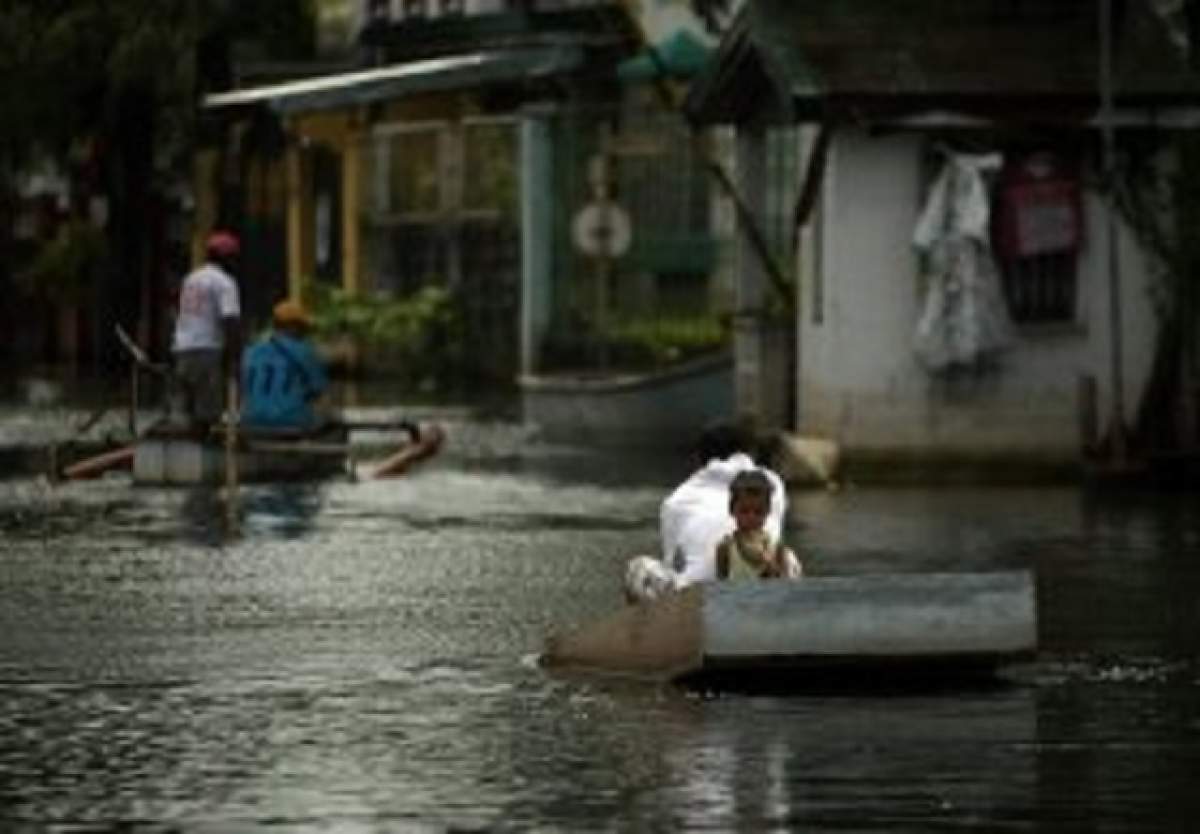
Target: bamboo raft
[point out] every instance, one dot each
(163, 457)
(167, 454)
(271, 455)
(280, 455)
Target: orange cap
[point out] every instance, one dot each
(290, 311)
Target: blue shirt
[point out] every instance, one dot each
(281, 376)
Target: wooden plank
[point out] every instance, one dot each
(297, 447)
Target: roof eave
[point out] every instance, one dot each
(430, 75)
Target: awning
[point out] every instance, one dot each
(432, 75)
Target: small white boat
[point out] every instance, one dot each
(925, 623)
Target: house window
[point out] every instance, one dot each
(405, 242)
(413, 183)
(1041, 288)
(1037, 233)
(490, 166)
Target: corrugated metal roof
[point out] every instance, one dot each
(973, 53)
(435, 74)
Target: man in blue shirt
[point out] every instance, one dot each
(282, 374)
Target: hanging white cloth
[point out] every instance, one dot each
(965, 319)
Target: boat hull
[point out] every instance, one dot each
(920, 622)
(645, 409)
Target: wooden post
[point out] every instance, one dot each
(603, 314)
(1119, 446)
(231, 470)
(351, 197)
(536, 170)
(299, 217)
(133, 399)
(351, 230)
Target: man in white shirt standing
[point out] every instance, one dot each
(207, 343)
(695, 517)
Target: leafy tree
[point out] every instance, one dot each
(115, 83)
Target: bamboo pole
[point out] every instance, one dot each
(231, 469)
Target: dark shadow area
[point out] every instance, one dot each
(853, 679)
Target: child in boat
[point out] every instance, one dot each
(749, 552)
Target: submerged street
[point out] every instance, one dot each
(263, 239)
(362, 658)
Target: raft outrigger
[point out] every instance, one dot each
(887, 627)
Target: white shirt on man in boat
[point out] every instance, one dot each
(207, 296)
(692, 521)
(695, 517)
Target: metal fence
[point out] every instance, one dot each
(656, 288)
(443, 211)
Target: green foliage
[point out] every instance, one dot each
(69, 65)
(69, 69)
(634, 344)
(491, 163)
(419, 337)
(666, 340)
(62, 269)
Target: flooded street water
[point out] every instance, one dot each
(360, 659)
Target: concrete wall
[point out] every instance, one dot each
(859, 381)
(664, 409)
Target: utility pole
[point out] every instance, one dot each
(1119, 449)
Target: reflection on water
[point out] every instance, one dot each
(359, 659)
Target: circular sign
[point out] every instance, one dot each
(602, 229)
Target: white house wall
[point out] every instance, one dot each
(859, 381)
(659, 19)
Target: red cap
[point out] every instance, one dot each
(222, 243)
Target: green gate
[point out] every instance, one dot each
(641, 262)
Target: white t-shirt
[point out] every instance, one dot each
(207, 296)
(695, 517)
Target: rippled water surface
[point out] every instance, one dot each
(360, 659)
